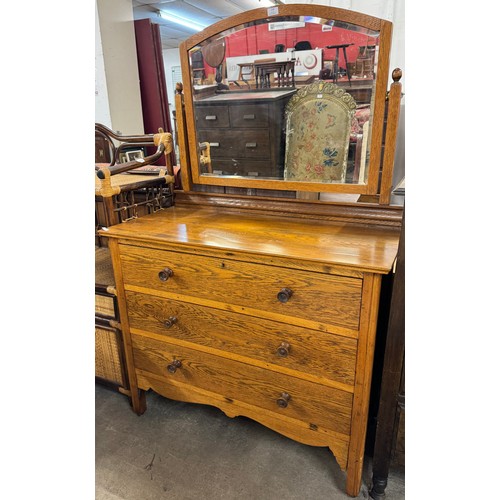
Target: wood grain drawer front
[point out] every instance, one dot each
(248, 143)
(315, 353)
(318, 405)
(254, 116)
(212, 116)
(316, 297)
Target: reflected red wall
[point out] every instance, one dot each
(256, 38)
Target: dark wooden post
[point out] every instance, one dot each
(391, 401)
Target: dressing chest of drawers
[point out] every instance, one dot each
(259, 315)
(257, 294)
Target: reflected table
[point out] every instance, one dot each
(284, 69)
(336, 61)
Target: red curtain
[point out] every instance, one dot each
(155, 109)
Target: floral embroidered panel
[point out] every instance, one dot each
(318, 127)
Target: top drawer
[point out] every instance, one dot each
(315, 298)
(212, 116)
(254, 115)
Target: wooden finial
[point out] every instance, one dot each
(178, 87)
(397, 74)
(164, 138)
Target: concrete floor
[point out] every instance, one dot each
(187, 451)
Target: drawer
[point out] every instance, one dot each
(253, 116)
(212, 116)
(320, 406)
(251, 168)
(289, 293)
(247, 143)
(312, 352)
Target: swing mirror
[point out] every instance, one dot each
(288, 98)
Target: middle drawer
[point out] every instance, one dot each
(321, 355)
(246, 143)
(319, 299)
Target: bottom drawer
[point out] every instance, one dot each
(244, 167)
(320, 406)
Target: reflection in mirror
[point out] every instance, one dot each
(286, 98)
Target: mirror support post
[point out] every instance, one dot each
(182, 138)
(394, 106)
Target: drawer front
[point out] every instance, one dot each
(248, 143)
(250, 168)
(321, 354)
(212, 116)
(317, 297)
(253, 116)
(318, 405)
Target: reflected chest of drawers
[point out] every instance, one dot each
(245, 132)
(264, 316)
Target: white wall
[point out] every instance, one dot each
(117, 73)
(102, 112)
(171, 60)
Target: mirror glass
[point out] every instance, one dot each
(286, 98)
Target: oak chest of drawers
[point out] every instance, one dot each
(270, 317)
(246, 127)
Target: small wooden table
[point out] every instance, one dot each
(336, 61)
(249, 72)
(284, 69)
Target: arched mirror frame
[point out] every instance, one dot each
(384, 27)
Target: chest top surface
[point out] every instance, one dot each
(252, 97)
(340, 244)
